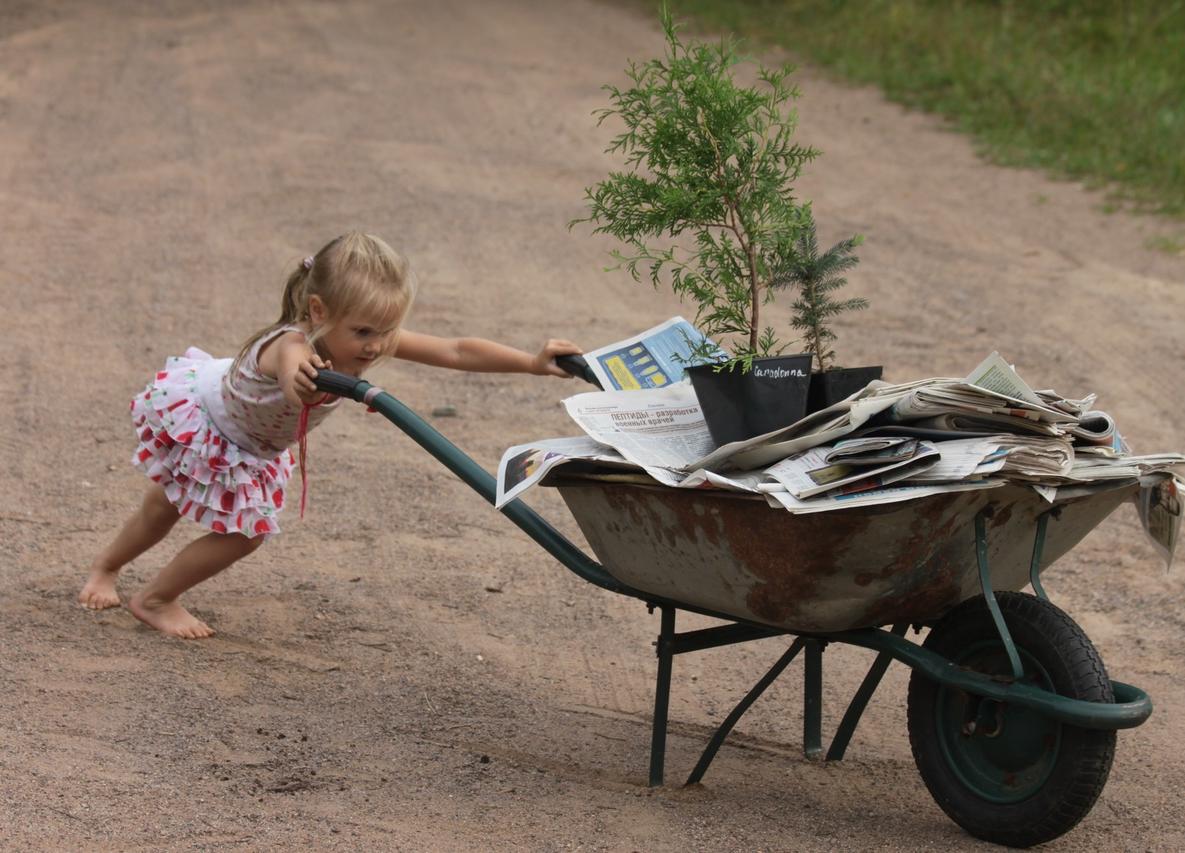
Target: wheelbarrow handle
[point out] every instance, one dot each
(577, 366)
(341, 384)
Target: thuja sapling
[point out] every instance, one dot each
(706, 201)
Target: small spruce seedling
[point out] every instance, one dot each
(817, 278)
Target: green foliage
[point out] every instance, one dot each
(817, 277)
(712, 164)
(1088, 89)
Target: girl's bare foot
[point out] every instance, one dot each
(168, 617)
(147, 526)
(98, 593)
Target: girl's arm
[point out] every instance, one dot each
(293, 363)
(481, 355)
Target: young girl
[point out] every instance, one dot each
(214, 433)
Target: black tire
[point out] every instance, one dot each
(1004, 774)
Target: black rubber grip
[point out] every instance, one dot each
(341, 384)
(577, 366)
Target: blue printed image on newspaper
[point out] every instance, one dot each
(651, 359)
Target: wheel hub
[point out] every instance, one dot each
(1003, 752)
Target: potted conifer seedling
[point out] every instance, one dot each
(706, 203)
(817, 277)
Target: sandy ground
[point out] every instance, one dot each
(404, 669)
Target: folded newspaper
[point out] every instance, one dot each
(886, 443)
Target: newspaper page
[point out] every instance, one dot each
(654, 427)
(985, 423)
(654, 358)
(1087, 468)
(874, 451)
(895, 493)
(1049, 493)
(1032, 457)
(524, 465)
(964, 458)
(995, 374)
(810, 473)
(1070, 407)
(1161, 503)
(965, 398)
(743, 481)
(1098, 429)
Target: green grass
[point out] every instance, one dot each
(1087, 89)
(1168, 243)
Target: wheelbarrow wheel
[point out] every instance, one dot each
(1006, 774)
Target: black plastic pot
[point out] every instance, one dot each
(831, 386)
(741, 405)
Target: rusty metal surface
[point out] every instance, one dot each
(830, 571)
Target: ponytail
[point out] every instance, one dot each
(293, 307)
(292, 304)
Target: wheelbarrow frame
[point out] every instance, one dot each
(1132, 706)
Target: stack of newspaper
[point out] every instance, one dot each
(884, 444)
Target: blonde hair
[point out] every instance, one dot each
(354, 273)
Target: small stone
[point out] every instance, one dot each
(480, 658)
(485, 759)
(493, 587)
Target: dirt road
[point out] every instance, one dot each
(403, 669)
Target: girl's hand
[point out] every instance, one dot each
(544, 364)
(306, 372)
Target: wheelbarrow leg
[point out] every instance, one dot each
(701, 766)
(851, 717)
(665, 648)
(812, 699)
(670, 644)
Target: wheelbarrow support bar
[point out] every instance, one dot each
(1132, 705)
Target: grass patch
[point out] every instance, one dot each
(1088, 89)
(1167, 243)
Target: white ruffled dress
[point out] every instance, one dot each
(216, 436)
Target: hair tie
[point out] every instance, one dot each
(307, 263)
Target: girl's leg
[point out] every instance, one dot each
(147, 526)
(156, 604)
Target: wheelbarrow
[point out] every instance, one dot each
(1012, 717)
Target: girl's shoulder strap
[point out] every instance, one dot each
(249, 362)
(270, 335)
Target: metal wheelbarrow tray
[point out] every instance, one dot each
(830, 571)
(1012, 717)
